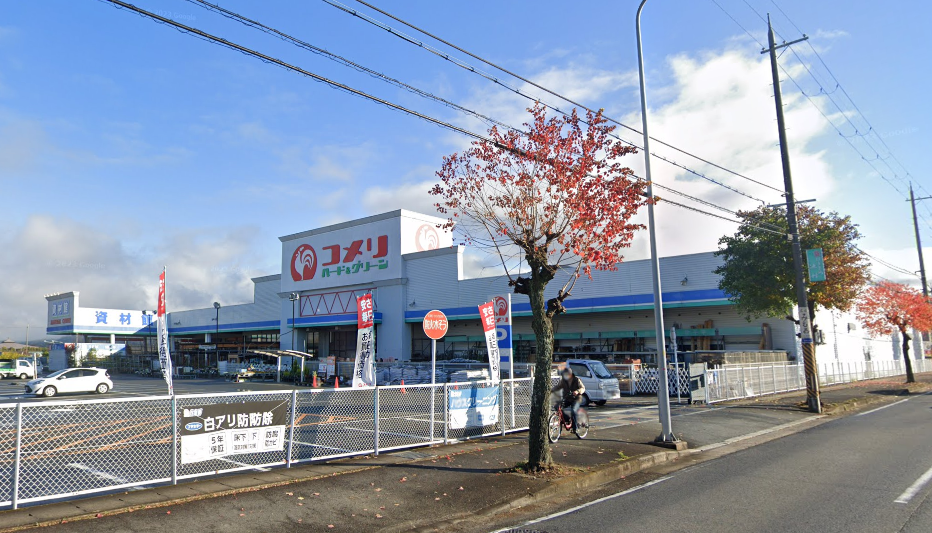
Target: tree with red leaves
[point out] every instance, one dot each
(555, 197)
(887, 307)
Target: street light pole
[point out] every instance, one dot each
(217, 335)
(293, 298)
(663, 396)
(805, 321)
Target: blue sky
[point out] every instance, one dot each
(126, 145)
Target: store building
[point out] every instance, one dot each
(411, 266)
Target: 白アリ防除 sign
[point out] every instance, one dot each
(212, 431)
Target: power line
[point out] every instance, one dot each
(467, 66)
(247, 51)
(269, 59)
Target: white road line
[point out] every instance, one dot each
(259, 468)
(583, 506)
(322, 446)
(391, 433)
(755, 434)
(881, 407)
(102, 475)
(915, 487)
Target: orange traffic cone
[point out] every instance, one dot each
(403, 391)
(336, 382)
(314, 382)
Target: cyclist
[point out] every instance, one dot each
(572, 389)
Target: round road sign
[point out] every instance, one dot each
(435, 324)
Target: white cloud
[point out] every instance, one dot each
(717, 105)
(47, 254)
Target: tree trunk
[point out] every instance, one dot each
(910, 378)
(539, 456)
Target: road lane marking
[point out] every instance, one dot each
(755, 434)
(914, 489)
(583, 506)
(881, 407)
(100, 474)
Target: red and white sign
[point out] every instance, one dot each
(165, 359)
(487, 317)
(364, 370)
(358, 253)
(435, 324)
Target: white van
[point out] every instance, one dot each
(600, 384)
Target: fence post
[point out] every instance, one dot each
(773, 375)
(174, 440)
(294, 408)
(375, 420)
(706, 385)
(446, 413)
(760, 377)
(501, 405)
(16, 457)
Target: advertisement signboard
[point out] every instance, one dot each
(487, 317)
(360, 253)
(364, 370)
(218, 430)
(503, 327)
(473, 407)
(816, 263)
(165, 360)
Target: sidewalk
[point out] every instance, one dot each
(465, 486)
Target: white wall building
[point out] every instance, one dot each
(411, 266)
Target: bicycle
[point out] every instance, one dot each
(562, 418)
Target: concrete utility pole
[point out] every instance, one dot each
(805, 321)
(663, 397)
(922, 264)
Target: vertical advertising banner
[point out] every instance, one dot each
(503, 326)
(487, 316)
(165, 359)
(364, 371)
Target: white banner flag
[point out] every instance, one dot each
(364, 370)
(487, 316)
(165, 359)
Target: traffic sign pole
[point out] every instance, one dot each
(435, 326)
(433, 384)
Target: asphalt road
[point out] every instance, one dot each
(871, 472)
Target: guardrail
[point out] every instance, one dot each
(737, 382)
(61, 449)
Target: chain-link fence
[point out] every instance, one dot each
(61, 449)
(736, 382)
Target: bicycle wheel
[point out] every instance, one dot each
(554, 428)
(582, 424)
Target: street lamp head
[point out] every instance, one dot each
(216, 305)
(293, 296)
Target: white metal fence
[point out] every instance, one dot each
(732, 382)
(59, 449)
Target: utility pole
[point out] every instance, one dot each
(666, 436)
(922, 264)
(805, 321)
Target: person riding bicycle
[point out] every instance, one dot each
(572, 389)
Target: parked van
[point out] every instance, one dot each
(19, 368)
(600, 384)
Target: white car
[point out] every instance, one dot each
(71, 380)
(600, 384)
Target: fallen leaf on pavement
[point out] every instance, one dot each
(378, 490)
(289, 494)
(402, 480)
(461, 488)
